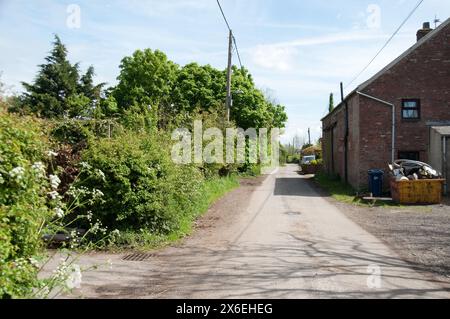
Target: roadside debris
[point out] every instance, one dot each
(415, 182)
(408, 170)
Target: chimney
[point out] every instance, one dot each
(424, 31)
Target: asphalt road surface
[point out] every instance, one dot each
(275, 239)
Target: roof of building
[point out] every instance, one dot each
(419, 43)
(442, 130)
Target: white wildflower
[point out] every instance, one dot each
(77, 192)
(54, 195)
(17, 173)
(59, 212)
(74, 278)
(115, 232)
(34, 262)
(101, 174)
(96, 193)
(1, 179)
(20, 263)
(89, 216)
(44, 292)
(96, 228)
(52, 154)
(85, 165)
(54, 181)
(72, 192)
(38, 167)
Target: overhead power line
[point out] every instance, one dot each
(386, 44)
(229, 29)
(223, 14)
(237, 52)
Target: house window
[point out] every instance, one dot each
(414, 156)
(411, 109)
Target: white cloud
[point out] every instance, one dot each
(158, 8)
(274, 57)
(282, 56)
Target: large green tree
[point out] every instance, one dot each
(145, 82)
(159, 90)
(251, 108)
(87, 87)
(199, 87)
(58, 90)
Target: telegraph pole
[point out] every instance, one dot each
(229, 102)
(309, 136)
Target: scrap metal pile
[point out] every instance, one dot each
(407, 170)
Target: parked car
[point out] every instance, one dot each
(306, 160)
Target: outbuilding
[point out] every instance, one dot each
(400, 113)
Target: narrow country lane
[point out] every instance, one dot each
(286, 242)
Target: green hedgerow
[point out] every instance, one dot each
(23, 209)
(142, 187)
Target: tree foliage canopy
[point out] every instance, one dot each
(151, 89)
(58, 89)
(148, 80)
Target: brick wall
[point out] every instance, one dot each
(333, 141)
(424, 74)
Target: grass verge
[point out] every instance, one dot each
(345, 193)
(144, 240)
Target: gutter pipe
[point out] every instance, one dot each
(444, 160)
(393, 119)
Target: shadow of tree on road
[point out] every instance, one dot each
(293, 187)
(302, 270)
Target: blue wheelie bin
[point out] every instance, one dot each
(376, 182)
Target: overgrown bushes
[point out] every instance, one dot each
(210, 191)
(312, 168)
(142, 187)
(293, 159)
(23, 208)
(112, 162)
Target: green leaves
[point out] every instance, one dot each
(152, 85)
(331, 103)
(145, 79)
(22, 202)
(58, 90)
(199, 87)
(143, 188)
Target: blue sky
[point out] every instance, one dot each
(297, 50)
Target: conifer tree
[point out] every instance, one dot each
(331, 104)
(58, 91)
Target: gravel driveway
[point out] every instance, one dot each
(419, 234)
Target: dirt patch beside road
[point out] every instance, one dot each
(231, 203)
(419, 234)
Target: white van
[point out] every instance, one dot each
(308, 159)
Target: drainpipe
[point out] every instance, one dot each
(393, 119)
(444, 163)
(346, 135)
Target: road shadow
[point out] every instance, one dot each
(302, 268)
(293, 187)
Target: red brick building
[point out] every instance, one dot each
(414, 90)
